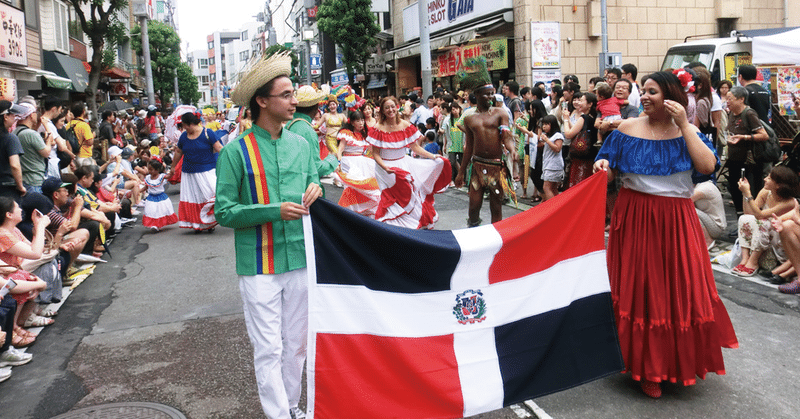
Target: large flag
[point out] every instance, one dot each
(445, 324)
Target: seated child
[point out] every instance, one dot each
(609, 105)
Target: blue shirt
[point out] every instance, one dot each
(198, 154)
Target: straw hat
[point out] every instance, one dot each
(259, 74)
(309, 96)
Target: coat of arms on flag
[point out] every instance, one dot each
(445, 324)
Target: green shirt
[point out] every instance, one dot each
(264, 243)
(301, 125)
(32, 163)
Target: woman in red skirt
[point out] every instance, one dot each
(671, 321)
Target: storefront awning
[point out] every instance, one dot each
(376, 83)
(455, 37)
(55, 81)
(67, 67)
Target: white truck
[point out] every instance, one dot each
(779, 46)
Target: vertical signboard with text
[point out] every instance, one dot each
(12, 36)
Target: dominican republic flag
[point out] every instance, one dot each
(445, 324)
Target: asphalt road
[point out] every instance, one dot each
(161, 322)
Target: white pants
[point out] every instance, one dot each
(276, 315)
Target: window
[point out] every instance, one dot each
(60, 24)
(31, 14)
(211, 61)
(244, 55)
(204, 80)
(202, 63)
(213, 77)
(244, 36)
(74, 25)
(211, 45)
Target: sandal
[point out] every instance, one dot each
(790, 288)
(21, 338)
(743, 271)
(45, 312)
(38, 321)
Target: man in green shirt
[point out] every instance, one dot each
(308, 99)
(266, 180)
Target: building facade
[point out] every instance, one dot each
(525, 41)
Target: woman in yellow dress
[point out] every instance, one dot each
(333, 122)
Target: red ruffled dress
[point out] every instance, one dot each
(671, 322)
(407, 195)
(357, 173)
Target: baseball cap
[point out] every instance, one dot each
(113, 151)
(51, 185)
(7, 107)
(126, 152)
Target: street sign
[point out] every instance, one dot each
(316, 61)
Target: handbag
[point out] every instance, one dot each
(580, 145)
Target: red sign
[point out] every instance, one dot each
(119, 89)
(312, 12)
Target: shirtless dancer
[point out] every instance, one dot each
(487, 131)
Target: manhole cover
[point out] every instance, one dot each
(124, 411)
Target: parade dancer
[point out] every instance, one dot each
(267, 179)
(670, 319)
(486, 133)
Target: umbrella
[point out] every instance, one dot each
(115, 105)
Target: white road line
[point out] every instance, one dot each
(520, 411)
(538, 411)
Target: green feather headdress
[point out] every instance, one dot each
(477, 77)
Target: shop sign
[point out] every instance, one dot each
(339, 77)
(445, 14)
(495, 52)
(119, 89)
(545, 45)
(12, 36)
(788, 89)
(8, 89)
(375, 65)
(312, 12)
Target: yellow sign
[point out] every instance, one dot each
(732, 61)
(495, 52)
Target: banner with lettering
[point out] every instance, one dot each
(495, 51)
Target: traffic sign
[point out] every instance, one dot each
(316, 61)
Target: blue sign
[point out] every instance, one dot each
(339, 61)
(316, 61)
(338, 78)
(458, 8)
(135, 101)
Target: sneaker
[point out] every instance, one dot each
(135, 212)
(14, 357)
(5, 374)
(127, 220)
(296, 413)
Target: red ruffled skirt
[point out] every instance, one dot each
(671, 321)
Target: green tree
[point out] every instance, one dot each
(351, 25)
(274, 49)
(187, 84)
(165, 55)
(98, 24)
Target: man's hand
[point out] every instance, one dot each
(292, 211)
(459, 182)
(313, 192)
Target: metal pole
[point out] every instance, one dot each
(425, 49)
(177, 92)
(148, 70)
(308, 62)
(604, 24)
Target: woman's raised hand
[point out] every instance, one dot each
(676, 111)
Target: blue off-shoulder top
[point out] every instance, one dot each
(629, 154)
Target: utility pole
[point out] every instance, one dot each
(148, 69)
(177, 93)
(425, 49)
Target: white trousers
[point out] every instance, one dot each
(276, 315)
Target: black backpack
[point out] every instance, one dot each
(72, 140)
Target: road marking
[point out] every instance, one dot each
(520, 411)
(538, 411)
